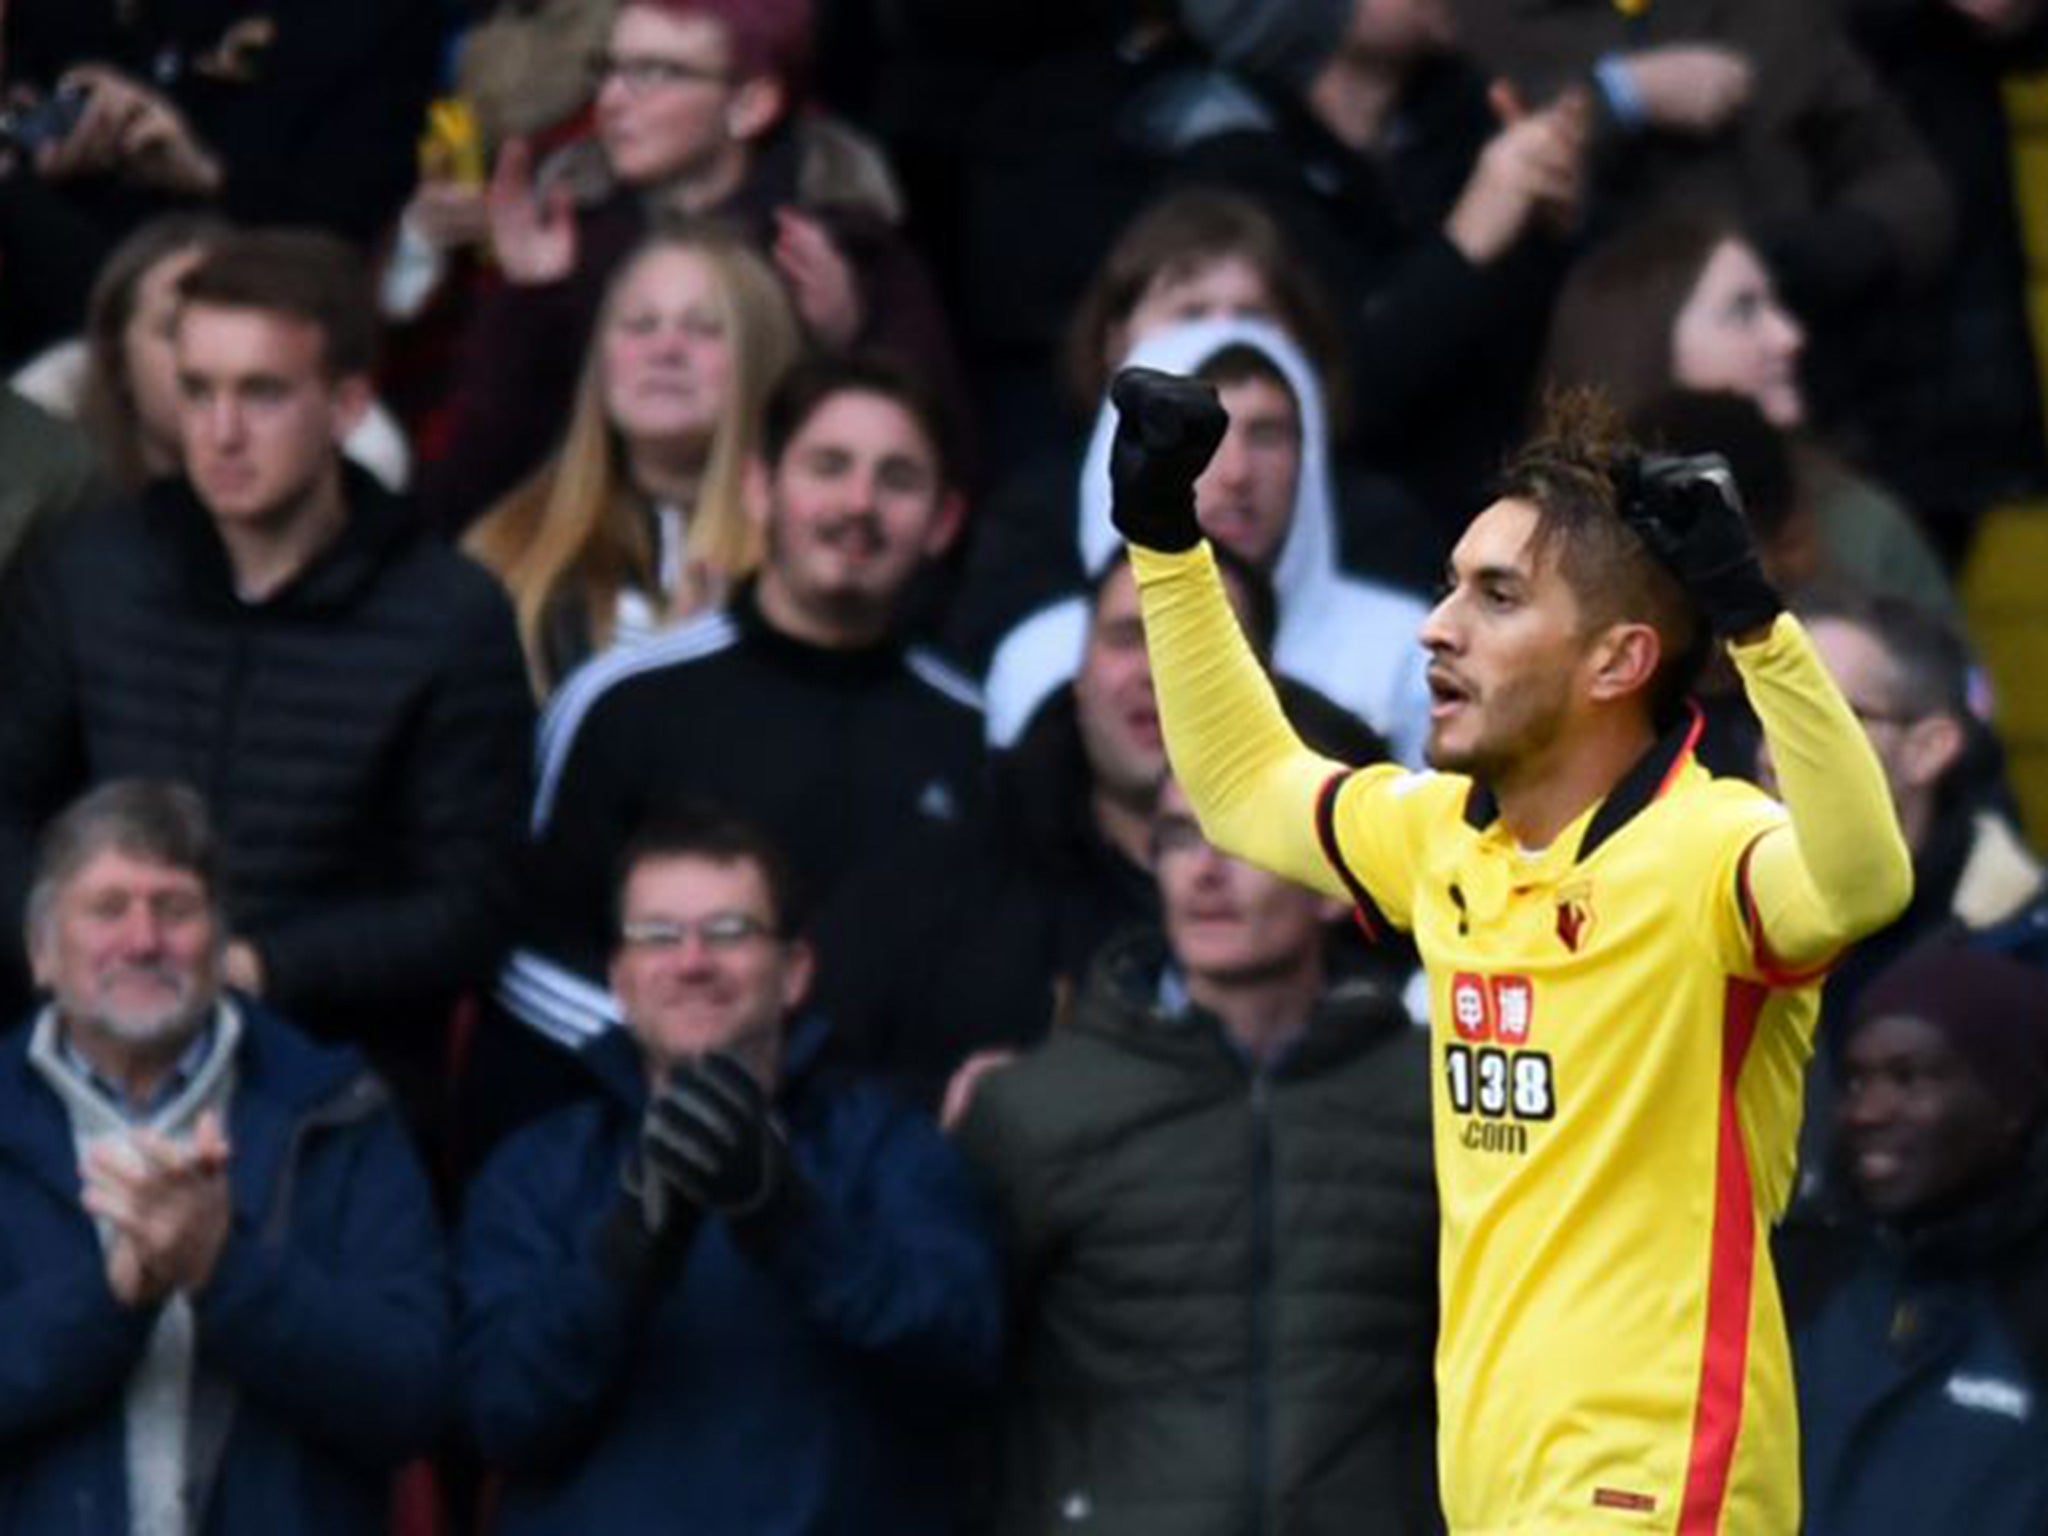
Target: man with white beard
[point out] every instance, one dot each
(223, 1301)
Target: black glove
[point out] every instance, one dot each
(1167, 428)
(1689, 513)
(715, 1141)
(643, 1237)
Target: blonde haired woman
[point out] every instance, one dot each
(639, 519)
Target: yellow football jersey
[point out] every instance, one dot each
(1617, 1096)
(1618, 1061)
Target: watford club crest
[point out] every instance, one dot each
(1575, 916)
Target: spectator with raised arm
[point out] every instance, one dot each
(701, 111)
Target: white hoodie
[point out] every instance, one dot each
(1354, 640)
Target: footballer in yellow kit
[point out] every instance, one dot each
(1622, 955)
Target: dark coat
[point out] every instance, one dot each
(362, 738)
(1822, 167)
(52, 471)
(316, 127)
(1443, 353)
(1226, 1275)
(1922, 1363)
(805, 1384)
(1953, 422)
(327, 1314)
(839, 754)
(979, 936)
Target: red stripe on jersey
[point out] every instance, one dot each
(1731, 1272)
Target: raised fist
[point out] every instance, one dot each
(1167, 428)
(1689, 513)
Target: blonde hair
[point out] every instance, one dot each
(578, 527)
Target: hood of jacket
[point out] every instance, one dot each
(1307, 563)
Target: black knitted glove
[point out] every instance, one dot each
(1689, 513)
(1167, 428)
(713, 1137)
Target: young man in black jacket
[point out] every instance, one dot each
(271, 628)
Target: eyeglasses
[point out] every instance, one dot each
(716, 930)
(640, 72)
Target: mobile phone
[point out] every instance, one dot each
(45, 121)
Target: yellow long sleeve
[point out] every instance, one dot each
(1252, 782)
(1844, 870)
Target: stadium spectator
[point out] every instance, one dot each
(1762, 113)
(1222, 1219)
(1685, 300)
(1918, 1325)
(701, 111)
(274, 111)
(1193, 254)
(1268, 495)
(1955, 419)
(798, 703)
(1439, 209)
(733, 1289)
(227, 1304)
(1908, 675)
(978, 938)
(275, 628)
(119, 380)
(640, 518)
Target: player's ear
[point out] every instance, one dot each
(1622, 660)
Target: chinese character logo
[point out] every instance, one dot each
(1514, 1009)
(1471, 1010)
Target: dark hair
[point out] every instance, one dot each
(1719, 421)
(696, 829)
(1567, 472)
(106, 408)
(1929, 658)
(307, 274)
(820, 377)
(1174, 235)
(158, 821)
(1612, 326)
(1240, 361)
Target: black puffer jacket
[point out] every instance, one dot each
(363, 739)
(1227, 1276)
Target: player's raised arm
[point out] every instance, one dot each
(1841, 869)
(1252, 782)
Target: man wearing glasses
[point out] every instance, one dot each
(1906, 673)
(700, 112)
(730, 1285)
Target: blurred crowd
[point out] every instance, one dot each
(609, 940)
